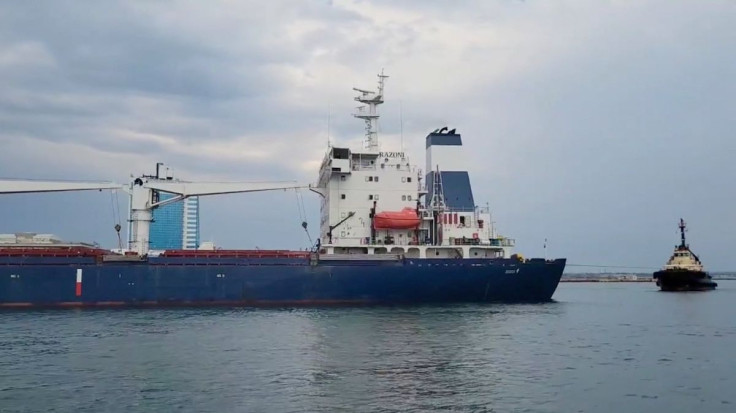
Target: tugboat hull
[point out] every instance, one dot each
(684, 280)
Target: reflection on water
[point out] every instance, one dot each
(598, 348)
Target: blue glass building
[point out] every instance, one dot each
(175, 225)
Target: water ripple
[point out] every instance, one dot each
(586, 352)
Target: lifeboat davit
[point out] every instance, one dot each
(405, 219)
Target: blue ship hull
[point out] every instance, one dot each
(170, 281)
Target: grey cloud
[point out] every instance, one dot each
(593, 125)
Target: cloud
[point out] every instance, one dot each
(594, 125)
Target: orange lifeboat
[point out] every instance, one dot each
(405, 219)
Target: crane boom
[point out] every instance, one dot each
(142, 200)
(187, 189)
(24, 186)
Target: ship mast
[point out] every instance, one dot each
(369, 113)
(682, 234)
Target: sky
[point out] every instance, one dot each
(594, 125)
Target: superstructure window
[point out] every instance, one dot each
(408, 197)
(403, 179)
(370, 197)
(403, 197)
(342, 177)
(369, 178)
(408, 179)
(342, 196)
(375, 179)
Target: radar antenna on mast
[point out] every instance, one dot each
(369, 113)
(683, 229)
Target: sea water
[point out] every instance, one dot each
(599, 347)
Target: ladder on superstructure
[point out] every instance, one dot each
(438, 193)
(437, 205)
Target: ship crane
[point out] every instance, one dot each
(142, 201)
(332, 227)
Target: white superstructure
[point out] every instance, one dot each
(376, 201)
(683, 260)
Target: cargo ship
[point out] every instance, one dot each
(684, 271)
(390, 233)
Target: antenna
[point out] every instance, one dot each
(401, 122)
(545, 249)
(328, 124)
(682, 233)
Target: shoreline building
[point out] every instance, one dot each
(175, 225)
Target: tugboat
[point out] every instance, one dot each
(683, 271)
